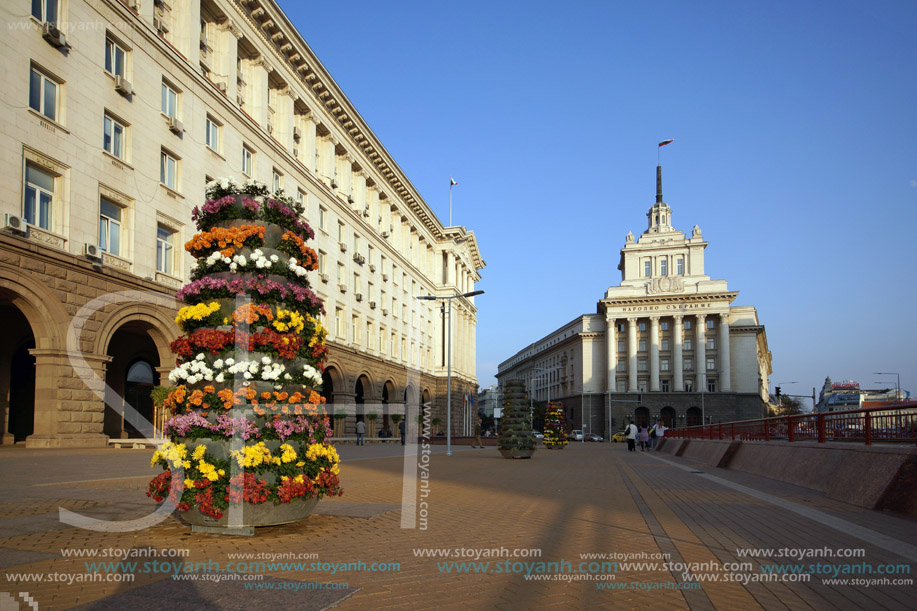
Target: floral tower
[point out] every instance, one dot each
(555, 427)
(516, 439)
(249, 430)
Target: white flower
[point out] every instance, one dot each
(247, 376)
(230, 361)
(218, 363)
(219, 379)
(266, 360)
(233, 267)
(274, 258)
(287, 376)
(200, 357)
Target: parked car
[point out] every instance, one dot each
(575, 435)
(538, 434)
(594, 437)
(619, 437)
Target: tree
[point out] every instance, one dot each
(790, 406)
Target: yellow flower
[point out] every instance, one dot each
(155, 458)
(199, 452)
(186, 464)
(189, 483)
(196, 312)
(288, 454)
(288, 320)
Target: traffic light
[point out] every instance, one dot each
(777, 390)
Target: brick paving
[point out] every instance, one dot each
(587, 498)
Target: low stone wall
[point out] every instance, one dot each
(874, 477)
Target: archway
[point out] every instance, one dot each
(361, 389)
(693, 416)
(327, 387)
(388, 389)
(668, 416)
(17, 375)
(131, 374)
(642, 416)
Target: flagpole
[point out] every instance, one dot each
(450, 203)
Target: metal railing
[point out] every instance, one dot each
(890, 423)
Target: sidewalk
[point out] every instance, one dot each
(585, 499)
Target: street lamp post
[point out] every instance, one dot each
(449, 299)
(897, 384)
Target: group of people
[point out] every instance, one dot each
(384, 433)
(645, 435)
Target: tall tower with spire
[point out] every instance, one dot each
(659, 215)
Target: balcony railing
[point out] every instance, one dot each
(895, 422)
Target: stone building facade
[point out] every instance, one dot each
(118, 113)
(667, 342)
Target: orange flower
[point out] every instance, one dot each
(209, 390)
(250, 393)
(250, 313)
(226, 238)
(265, 395)
(259, 411)
(315, 398)
(285, 409)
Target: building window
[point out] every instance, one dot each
(322, 218)
(664, 365)
(622, 364)
(340, 273)
(647, 268)
(356, 244)
(109, 227)
(382, 335)
(277, 181)
(169, 102)
(165, 253)
(689, 386)
(248, 160)
(39, 194)
(664, 267)
(689, 364)
(356, 283)
(45, 10)
(711, 343)
(341, 232)
(622, 386)
(688, 344)
(622, 346)
(664, 325)
(355, 328)
(300, 197)
(641, 386)
(114, 136)
(641, 365)
(115, 57)
(710, 324)
(711, 385)
(43, 94)
(322, 262)
(711, 364)
(213, 134)
(680, 266)
(665, 345)
(338, 322)
(642, 345)
(665, 385)
(641, 326)
(168, 170)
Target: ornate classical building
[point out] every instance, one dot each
(117, 114)
(667, 342)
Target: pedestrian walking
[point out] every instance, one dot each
(361, 429)
(478, 443)
(644, 437)
(401, 429)
(630, 433)
(660, 430)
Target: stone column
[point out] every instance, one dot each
(654, 353)
(307, 141)
(611, 353)
(344, 403)
(678, 365)
(631, 355)
(68, 412)
(260, 94)
(700, 352)
(723, 354)
(226, 52)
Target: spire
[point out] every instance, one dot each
(658, 184)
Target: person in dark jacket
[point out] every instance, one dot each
(401, 428)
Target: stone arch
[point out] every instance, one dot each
(158, 324)
(369, 385)
(668, 416)
(642, 416)
(333, 381)
(41, 308)
(693, 416)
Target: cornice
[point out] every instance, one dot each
(650, 300)
(327, 93)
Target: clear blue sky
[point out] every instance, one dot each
(795, 126)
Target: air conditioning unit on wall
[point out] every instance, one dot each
(123, 86)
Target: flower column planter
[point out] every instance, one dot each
(516, 439)
(248, 366)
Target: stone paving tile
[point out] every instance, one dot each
(584, 499)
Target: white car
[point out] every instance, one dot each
(538, 435)
(576, 435)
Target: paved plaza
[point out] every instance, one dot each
(484, 516)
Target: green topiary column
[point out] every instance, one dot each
(516, 439)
